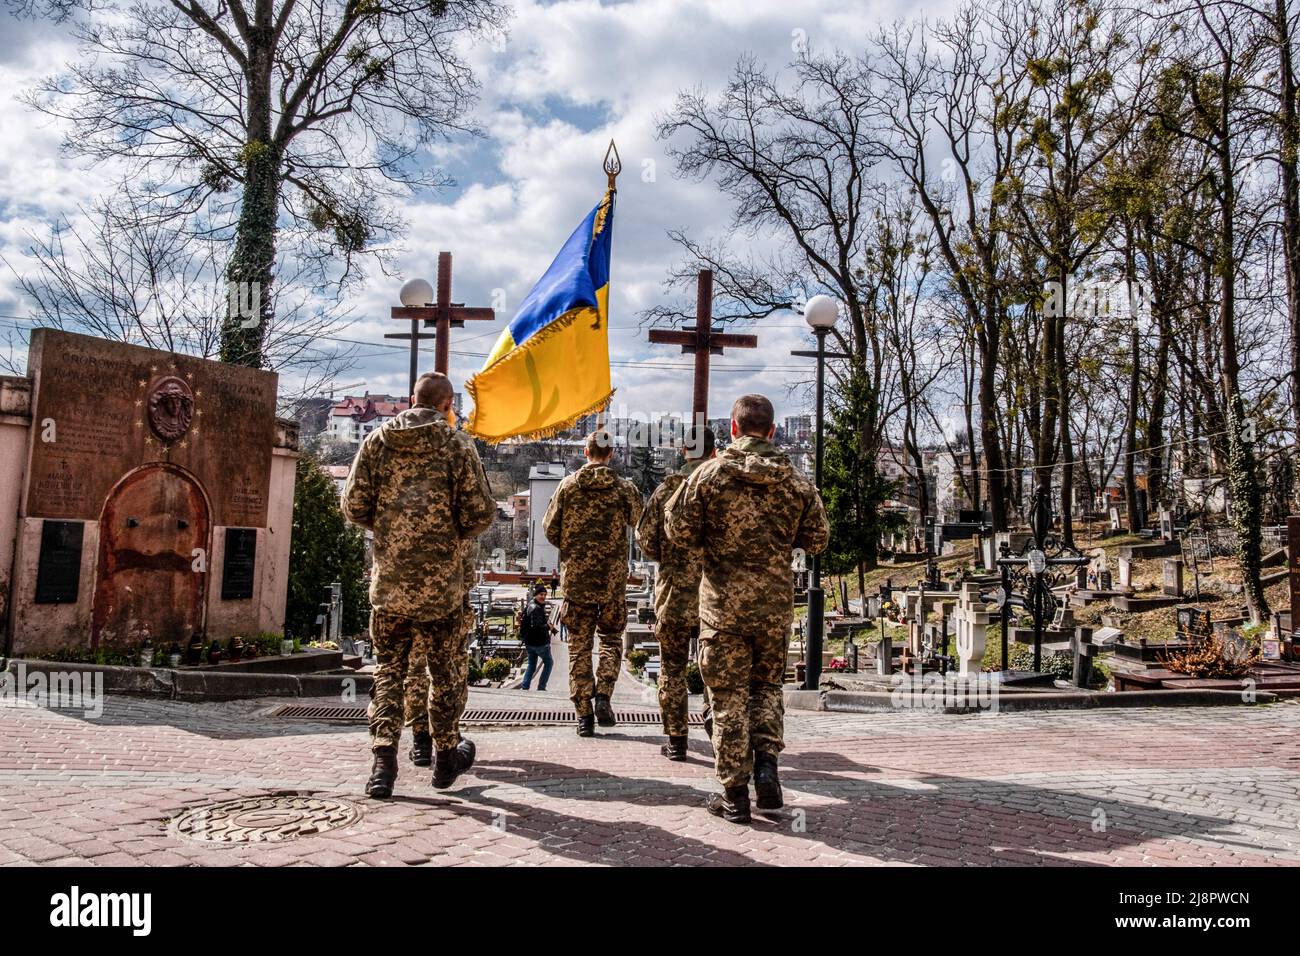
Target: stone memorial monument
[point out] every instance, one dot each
(972, 622)
(147, 495)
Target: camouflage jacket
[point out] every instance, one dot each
(747, 510)
(677, 586)
(588, 520)
(423, 493)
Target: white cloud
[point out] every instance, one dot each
(524, 187)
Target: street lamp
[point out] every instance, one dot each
(820, 313)
(415, 293)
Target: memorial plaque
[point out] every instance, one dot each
(59, 569)
(1193, 623)
(102, 409)
(239, 565)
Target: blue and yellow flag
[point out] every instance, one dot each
(551, 365)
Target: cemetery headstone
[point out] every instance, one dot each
(1173, 577)
(972, 622)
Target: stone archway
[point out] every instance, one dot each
(153, 521)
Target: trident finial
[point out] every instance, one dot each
(613, 165)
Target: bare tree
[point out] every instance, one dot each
(313, 110)
(134, 277)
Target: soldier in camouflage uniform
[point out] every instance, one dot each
(677, 588)
(587, 520)
(747, 510)
(422, 491)
(415, 702)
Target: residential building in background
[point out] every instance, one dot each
(352, 418)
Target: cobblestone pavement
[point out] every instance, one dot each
(1200, 786)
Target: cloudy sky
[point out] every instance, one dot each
(570, 76)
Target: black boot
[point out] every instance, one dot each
(767, 785)
(732, 804)
(422, 749)
(604, 713)
(587, 726)
(675, 749)
(382, 774)
(450, 764)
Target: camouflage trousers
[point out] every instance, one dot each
(743, 675)
(410, 652)
(584, 622)
(415, 697)
(674, 654)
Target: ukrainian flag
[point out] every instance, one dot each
(551, 365)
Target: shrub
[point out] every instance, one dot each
(475, 673)
(638, 659)
(694, 680)
(496, 668)
(1214, 658)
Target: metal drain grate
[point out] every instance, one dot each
(303, 712)
(477, 716)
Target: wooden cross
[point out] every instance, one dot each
(701, 341)
(442, 315)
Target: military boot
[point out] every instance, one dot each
(675, 749)
(604, 713)
(422, 749)
(450, 764)
(767, 785)
(382, 774)
(587, 726)
(732, 804)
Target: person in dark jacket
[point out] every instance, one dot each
(535, 631)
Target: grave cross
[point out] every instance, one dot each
(443, 315)
(701, 341)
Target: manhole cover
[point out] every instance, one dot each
(265, 819)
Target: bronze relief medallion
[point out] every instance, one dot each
(171, 408)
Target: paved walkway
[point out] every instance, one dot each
(1204, 786)
(628, 691)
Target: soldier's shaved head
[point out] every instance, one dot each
(600, 445)
(433, 390)
(753, 415)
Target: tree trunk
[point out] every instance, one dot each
(252, 264)
(1289, 156)
(1136, 520)
(1243, 481)
(988, 337)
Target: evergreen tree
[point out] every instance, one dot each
(646, 472)
(324, 549)
(853, 488)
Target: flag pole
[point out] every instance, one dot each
(613, 165)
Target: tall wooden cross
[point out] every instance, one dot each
(701, 341)
(444, 315)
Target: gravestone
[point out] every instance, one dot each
(1173, 577)
(138, 463)
(1114, 520)
(972, 621)
(1125, 573)
(1166, 525)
